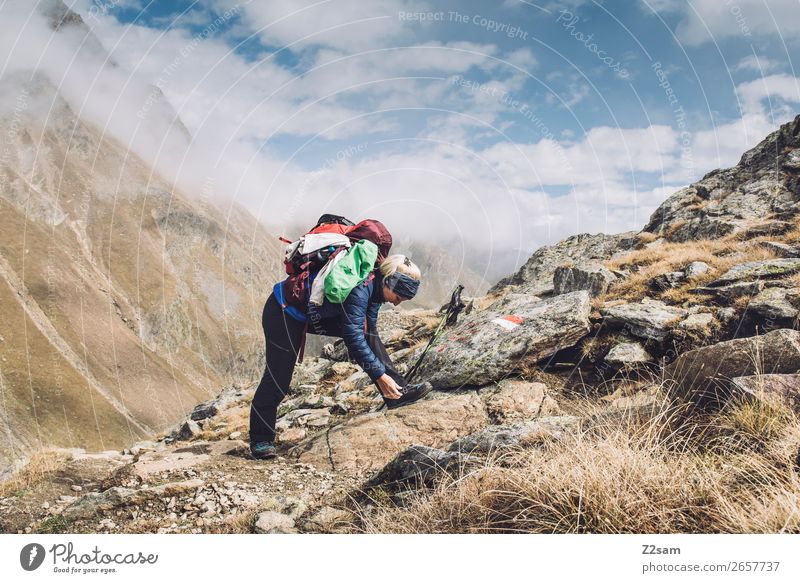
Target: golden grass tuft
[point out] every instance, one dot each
(624, 475)
(39, 465)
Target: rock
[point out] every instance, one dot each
(343, 369)
(204, 411)
(667, 281)
(781, 249)
(766, 229)
(590, 276)
(270, 522)
(726, 315)
(771, 388)
(489, 345)
(289, 505)
(696, 269)
(703, 375)
(235, 435)
(336, 351)
(95, 503)
(152, 463)
(514, 400)
(628, 354)
(417, 465)
(329, 519)
(752, 270)
(369, 441)
(792, 161)
(292, 436)
(737, 290)
(526, 434)
(310, 417)
(188, 430)
(317, 402)
(775, 303)
(649, 319)
(536, 276)
(76, 488)
(143, 446)
(697, 322)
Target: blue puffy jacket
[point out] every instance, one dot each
(348, 320)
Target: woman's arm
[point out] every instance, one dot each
(354, 317)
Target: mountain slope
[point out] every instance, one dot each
(122, 301)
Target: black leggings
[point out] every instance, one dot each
(284, 336)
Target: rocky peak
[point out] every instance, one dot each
(763, 189)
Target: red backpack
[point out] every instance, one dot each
(301, 265)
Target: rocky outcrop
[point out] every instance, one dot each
(97, 502)
(417, 465)
(490, 345)
(765, 184)
(648, 319)
(515, 399)
(517, 435)
(754, 270)
(590, 276)
(369, 441)
(536, 276)
(703, 375)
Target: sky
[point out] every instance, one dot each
(501, 125)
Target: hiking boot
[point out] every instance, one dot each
(263, 450)
(411, 394)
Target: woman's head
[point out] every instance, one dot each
(400, 278)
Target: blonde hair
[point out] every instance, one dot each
(399, 263)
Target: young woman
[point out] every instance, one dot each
(355, 320)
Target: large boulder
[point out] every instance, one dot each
(775, 303)
(649, 319)
(368, 442)
(753, 270)
(490, 345)
(517, 435)
(703, 375)
(514, 400)
(774, 388)
(590, 276)
(417, 465)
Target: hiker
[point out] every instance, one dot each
(355, 320)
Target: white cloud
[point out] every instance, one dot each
(713, 20)
(346, 25)
(759, 64)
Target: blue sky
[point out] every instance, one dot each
(506, 124)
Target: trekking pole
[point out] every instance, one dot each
(451, 312)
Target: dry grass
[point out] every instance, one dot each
(646, 263)
(40, 464)
(625, 476)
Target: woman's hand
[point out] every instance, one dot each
(388, 388)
